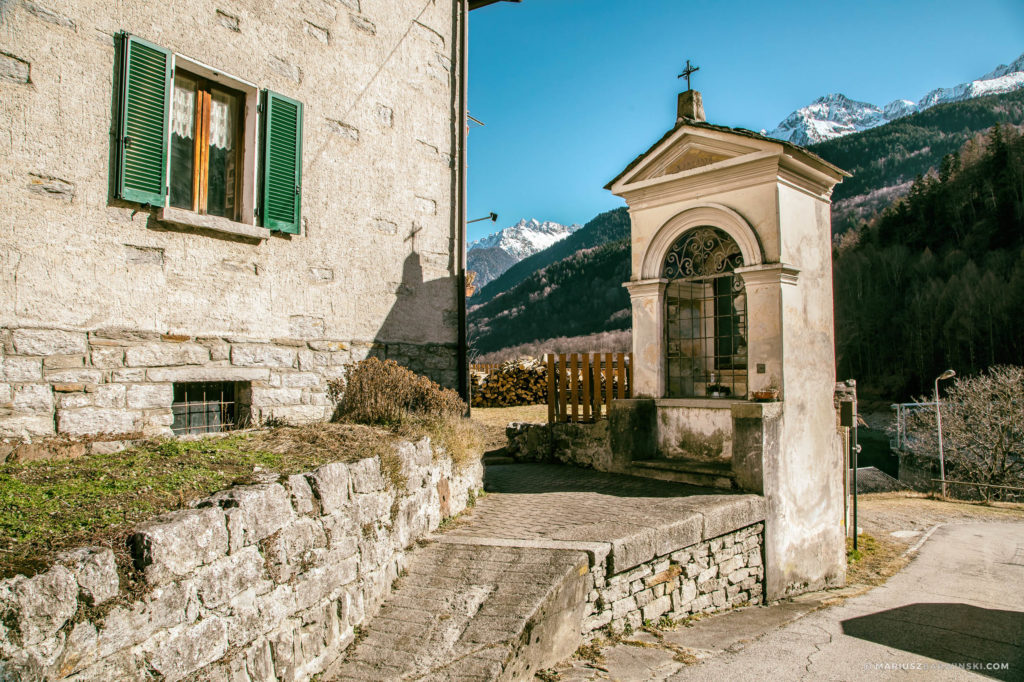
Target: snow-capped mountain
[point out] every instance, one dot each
(525, 238)
(494, 254)
(836, 115)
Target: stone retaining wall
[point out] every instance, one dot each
(119, 384)
(587, 445)
(256, 583)
(713, 575)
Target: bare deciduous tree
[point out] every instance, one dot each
(982, 429)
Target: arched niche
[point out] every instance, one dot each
(705, 316)
(709, 215)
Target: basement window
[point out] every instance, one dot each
(209, 407)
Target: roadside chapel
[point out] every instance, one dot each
(731, 290)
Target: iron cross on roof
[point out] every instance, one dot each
(687, 72)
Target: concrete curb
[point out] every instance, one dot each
(920, 542)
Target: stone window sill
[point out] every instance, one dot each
(196, 221)
(707, 403)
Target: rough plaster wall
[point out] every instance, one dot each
(376, 81)
(757, 205)
(694, 432)
(805, 481)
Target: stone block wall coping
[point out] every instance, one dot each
(597, 552)
(709, 516)
(749, 410)
(703, 403)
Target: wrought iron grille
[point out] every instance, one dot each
(705, 317)
(702, 252)
(204, 407)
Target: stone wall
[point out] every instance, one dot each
(256, 583)
(586, 445)
(713, 575)
(375, 263)
(119, 383)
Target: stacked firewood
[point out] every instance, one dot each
(516, 382)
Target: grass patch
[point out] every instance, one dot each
(874, 561)
(591, 651)
(50, 506)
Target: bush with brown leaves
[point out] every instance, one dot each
(383, 392)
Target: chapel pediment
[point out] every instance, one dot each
(689, 152)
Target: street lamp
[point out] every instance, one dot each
(493, 217)
(948, 374)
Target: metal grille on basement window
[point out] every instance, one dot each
(205, 407)
(705, 317)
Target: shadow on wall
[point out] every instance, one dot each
(409, 332)
(959, 634)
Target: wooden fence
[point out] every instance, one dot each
(580, 383)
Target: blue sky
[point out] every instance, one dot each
(572, 90)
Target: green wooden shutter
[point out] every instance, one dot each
(281, 198)
(145, 113)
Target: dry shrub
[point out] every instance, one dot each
(461, 438)
(983, 433)
(383, 392)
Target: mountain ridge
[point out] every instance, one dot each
(835, 115)
(604, 227)
(492, 255)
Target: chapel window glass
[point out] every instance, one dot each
(705, 317)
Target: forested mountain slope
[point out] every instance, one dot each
(891, 156)
(937, 279)
(581, 294)
(606, 227)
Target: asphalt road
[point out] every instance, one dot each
(955, 613)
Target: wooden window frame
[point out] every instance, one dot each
(246, 134)
(201, 143)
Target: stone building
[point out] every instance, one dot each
(209, 208)
(731, 289)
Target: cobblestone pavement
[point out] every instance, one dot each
(557, 502)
